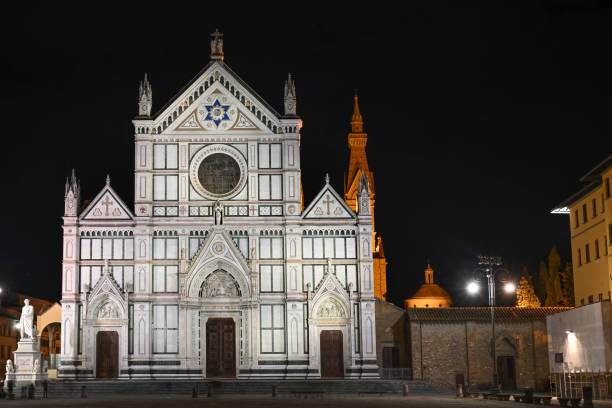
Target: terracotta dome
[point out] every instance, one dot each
(429, 294)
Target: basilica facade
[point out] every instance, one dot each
(219, 270)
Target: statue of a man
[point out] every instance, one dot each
(9, 367)
(26, 321)
(218, 213)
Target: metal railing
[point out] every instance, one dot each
(397, 373)
(569, 385)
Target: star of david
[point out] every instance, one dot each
(217, 112)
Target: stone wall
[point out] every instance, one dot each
(392, 330)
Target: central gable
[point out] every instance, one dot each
(217, 100)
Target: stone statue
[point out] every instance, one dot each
(107, 312)
(9, 367)
(329, 265)
(218, 213)
(36, 366)
(26, 321)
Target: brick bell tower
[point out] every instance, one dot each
(358, 165)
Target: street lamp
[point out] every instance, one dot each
(491, 268)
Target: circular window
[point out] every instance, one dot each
(219, 173)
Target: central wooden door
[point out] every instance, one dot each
(220, 348)
(107, 354)
(505, 372)
(332, 360)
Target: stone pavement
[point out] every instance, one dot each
(248, 402)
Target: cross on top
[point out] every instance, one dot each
(216, 45)
(327, 202)
(107, 203)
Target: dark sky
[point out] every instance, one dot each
(481, 116)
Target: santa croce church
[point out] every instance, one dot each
(219, 270)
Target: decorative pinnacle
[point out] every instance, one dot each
(326, 178)
(356, 120)
(108, 179)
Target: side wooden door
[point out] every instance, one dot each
(332, 359)
(107, 354)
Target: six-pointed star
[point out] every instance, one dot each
(216, 112)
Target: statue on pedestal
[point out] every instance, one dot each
(218, 213)
(9, 367)
(26, 321)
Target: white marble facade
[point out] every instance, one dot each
(217, 232)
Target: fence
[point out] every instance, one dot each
(397, 373)
(569, 385)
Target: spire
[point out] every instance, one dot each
(72, 195)
(108, 179)
(145, 97)
(289, 97)
(356, 120)
(216, 45)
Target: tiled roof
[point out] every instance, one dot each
(482, 313)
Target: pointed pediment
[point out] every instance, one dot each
(107, 206)
(106, 285)
(217, 100)
(218, 245)
(328, 204)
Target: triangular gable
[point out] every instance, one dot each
(106, 284)
(107, 206)
(328, 204)
(329, 283)
(218, 244)
(216, 110)
(251, 112)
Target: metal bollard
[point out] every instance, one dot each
(405, 390)
(460, 390)
(194, 392)
(274, 391)
(83, 391)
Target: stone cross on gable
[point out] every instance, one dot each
(327, 202)
(107, 203)
(216, 45)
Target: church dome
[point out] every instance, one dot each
(429, 294)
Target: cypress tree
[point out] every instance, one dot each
(553, 284)
(567, 286)
(525, 294)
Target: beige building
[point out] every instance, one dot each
(590, 211)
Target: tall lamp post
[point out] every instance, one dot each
(492, 265)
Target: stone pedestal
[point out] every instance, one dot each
(28, 365)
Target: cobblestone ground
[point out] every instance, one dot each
(245, 402)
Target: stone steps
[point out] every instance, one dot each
(327, 388)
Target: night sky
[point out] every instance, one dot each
(481, 116)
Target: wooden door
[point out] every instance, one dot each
(332, 360)
(390, 357)
(506, 372)
(220, 348)
(107, 354)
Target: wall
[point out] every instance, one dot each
(584, 336)
(392, 330)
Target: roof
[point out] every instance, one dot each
(459, 314)
(578, 195)
(595, 172)
(430, 290)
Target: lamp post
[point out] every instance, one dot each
(491, 266)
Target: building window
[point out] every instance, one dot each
(305, 325)
(270, 156)
(107, 248)
(270, 187)
(347, 275)
(312, 275)
(356, 319)
(600, 297)
(243, 245)
(272, 328)
(165, 187)
(594, 208)
(596, 249)
(165, 278)
(590, 298)
(576, 220)
(579, 257)
(328, 247)
(587, 254)
(271, 248)
(271, 278)
(608, 187)
(165, 156)
(124, 276)
(165, 329)
(584, 213)
(131, 329)
(165, 248)
(606, 243)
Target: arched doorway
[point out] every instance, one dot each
(505, 351)
(107, 354)
(332, 356)
(50, 345)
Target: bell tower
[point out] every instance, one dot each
(359, 180)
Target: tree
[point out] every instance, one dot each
(525, 294)
(567, 286)
(541, 288)
(553, 283)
